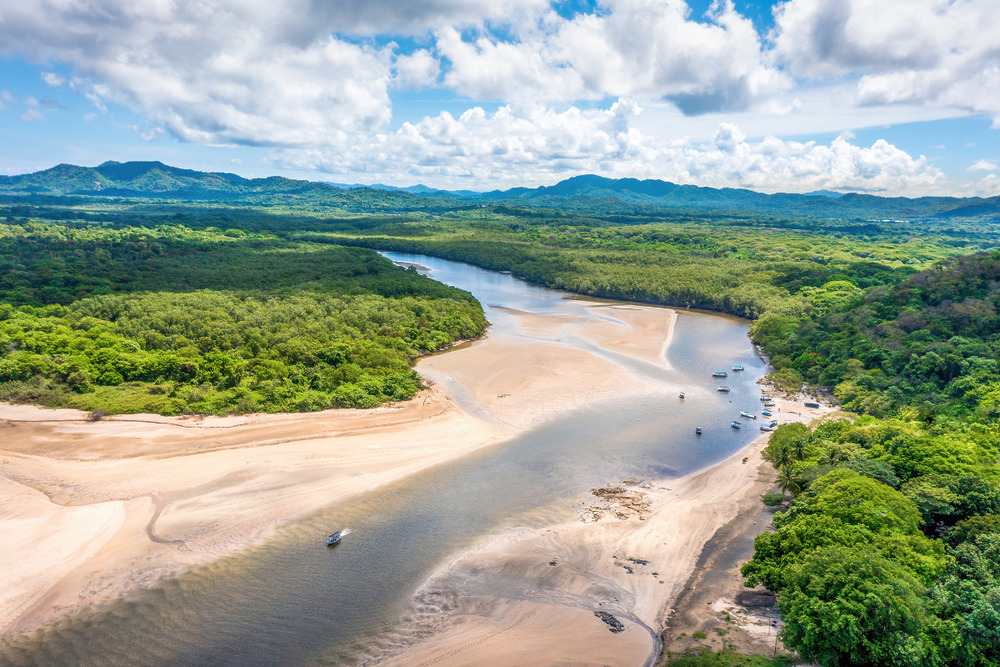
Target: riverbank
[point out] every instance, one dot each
(529, 596)
(91, 510)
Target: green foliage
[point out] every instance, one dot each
(705, 657)
(169, 320)
(847, 606)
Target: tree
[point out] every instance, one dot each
(846, 606)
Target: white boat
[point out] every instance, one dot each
(747, 415)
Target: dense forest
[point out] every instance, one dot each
(172, 320)
(888, 548)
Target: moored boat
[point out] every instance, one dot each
(766, 413)
(736, 425)
(765, 427)
(719, 374)
(737, 367)
(748, 415)
(723, 388)
(682, 394)
(697, 430)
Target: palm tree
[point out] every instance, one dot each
(782, 458)
(788, 481)
(799, 448)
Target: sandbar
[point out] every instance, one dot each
(91, 510)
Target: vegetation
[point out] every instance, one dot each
(705, 657)
(173, 320)
(265, 296)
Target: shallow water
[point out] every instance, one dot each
(294, 601)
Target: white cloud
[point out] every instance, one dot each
(539, 146)
(227, 72)
(982, 165)
(32, 114)
(53, 79)
(905, 51)
(419, 69)
(645, 49)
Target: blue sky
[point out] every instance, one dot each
(884, 96)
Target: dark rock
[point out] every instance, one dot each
(614, 625)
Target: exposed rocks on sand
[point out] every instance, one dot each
(618, 501)
(614, 625)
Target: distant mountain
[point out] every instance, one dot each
(160, 181)
(580, 194)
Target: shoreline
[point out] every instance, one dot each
(634, 562)
(96, 509)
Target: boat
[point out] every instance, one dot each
(737, 367)
(719, 374)
(747, 415)
(736, 425)
(333, 539)
(682, 394)
(766, 413)
(723, 388)
(773, 422)
(697, 430)
(765, 427)
(765, 397)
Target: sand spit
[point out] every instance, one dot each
(91, 510)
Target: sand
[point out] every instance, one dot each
(633, 562)
(92, 510)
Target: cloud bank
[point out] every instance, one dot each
(317, 81)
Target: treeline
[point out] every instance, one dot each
(890, 551)
(930, 342)
(172, 320)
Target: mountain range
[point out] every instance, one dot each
(585, 193)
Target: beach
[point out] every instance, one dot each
(91, 510)
(528, 596)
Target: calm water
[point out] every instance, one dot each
(294, 602)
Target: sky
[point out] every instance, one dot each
(893, 97)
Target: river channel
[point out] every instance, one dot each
(294, 602)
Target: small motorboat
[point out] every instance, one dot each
(719, 374)
(765, 427)
(682, 395)
(736, 425)
(333, 539)
(748, 415)
(773, 423)
(723, 388)
(737, 367)
(765, 397)
(697, 430)
(766, 413)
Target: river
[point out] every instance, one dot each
(294, 602)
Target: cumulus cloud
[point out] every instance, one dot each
(635, 48)
(419, 69)
(226, 72)
(983, 165)
(905, 51)
(538, 145)
(53, 79)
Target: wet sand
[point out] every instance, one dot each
(92, 510)
(633, 562)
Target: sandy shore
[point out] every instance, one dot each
(529, 596)
(92, 510)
